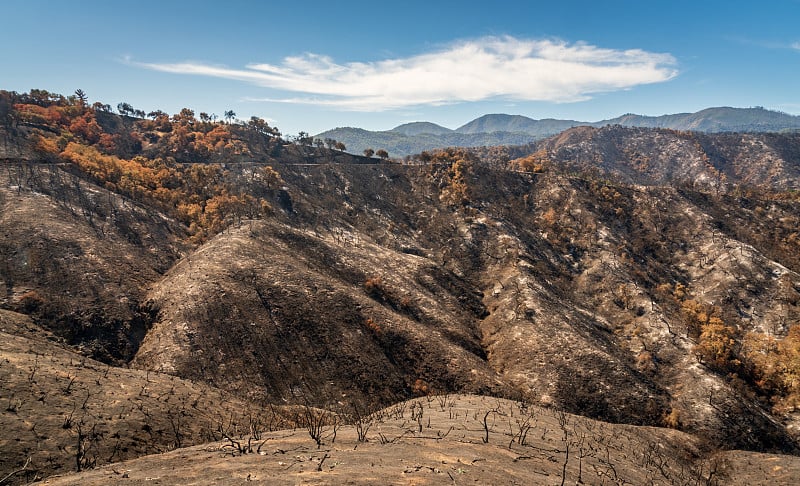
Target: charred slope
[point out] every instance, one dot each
(560, 289)
(63, 412)
(282, 314)
(370, 283)
(78, 258)
(601, 327)
(661, 157)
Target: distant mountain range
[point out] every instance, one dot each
(502, 129)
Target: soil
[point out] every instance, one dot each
(443, 440)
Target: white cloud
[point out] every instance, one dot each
(795, 45)
(488, 68)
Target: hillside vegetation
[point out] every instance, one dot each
(635, 276)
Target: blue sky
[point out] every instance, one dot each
(314, 65)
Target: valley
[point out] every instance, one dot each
(171, 283)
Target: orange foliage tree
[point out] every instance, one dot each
(536, 162)
(152, 160)
(776, 364)
(716, 346)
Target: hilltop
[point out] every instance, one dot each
(633, 276)
(516, 124)
(419, 128)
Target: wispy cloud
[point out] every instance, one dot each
(766, 44)
(486, 68)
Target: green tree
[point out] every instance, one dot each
(81, 97)
(185, 116)
(125, 108)
(383, 154)
(44, 98)
(6, 108)
(261, 126)
(229, 115)
(369, 152)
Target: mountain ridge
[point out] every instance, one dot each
(505, 129)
